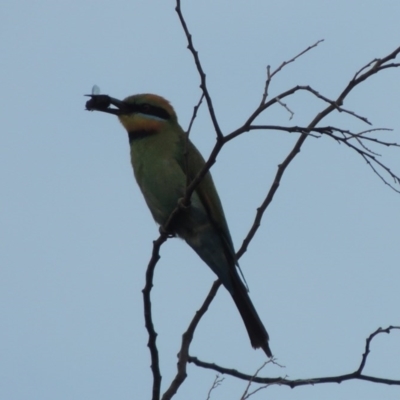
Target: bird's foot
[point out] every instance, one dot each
(183, 203)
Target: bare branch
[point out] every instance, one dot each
(203, 84)
(333, 105)
(289, 129)
(271, 75)
(278, 100)
(194, 115)
(364, 73)
(356, 375)
(246, 393)
(187, 338)
(285, 106)
(370, 69)
(368, 344)
(363, 133)
(268, 199)
(186, 155)
(155, 366)
(370, 158)
(217, 381)
(366, 66)
(296, 57)
(365, 152)
(396, 179)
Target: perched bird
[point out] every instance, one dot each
(161, 168)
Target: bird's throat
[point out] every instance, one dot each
(139, 134)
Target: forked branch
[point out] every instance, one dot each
(356, 375)
(355, 141)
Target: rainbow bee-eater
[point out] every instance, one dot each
(163, 161)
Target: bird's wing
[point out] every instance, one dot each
(209, 197)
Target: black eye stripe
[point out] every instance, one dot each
(150, 110)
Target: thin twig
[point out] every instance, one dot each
(217, 382)
(203, 84)
(356, 375)
(333, 105)
(270, 74)
(246, 393)
(337, 104)
(285, 106)
(194, 115)
(186, 153)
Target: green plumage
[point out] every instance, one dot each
(159, 166)
(158, 147)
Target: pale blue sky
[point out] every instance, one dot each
(76, 236)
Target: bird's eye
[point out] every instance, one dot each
(145, 107)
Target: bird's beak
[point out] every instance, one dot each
(103, 102)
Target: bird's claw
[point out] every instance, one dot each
(183, 203)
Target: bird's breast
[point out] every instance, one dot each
(162, 183)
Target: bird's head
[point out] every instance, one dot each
(149, 112)
(137, 113)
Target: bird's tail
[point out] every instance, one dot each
(258, 334)
(208, 245)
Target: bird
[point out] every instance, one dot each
(164, 160)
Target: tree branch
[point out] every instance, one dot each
(283, 65)
(152, 345)
(187, 338)
(203, 84)
(183, 357)
(356, 375)
(333, 105)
